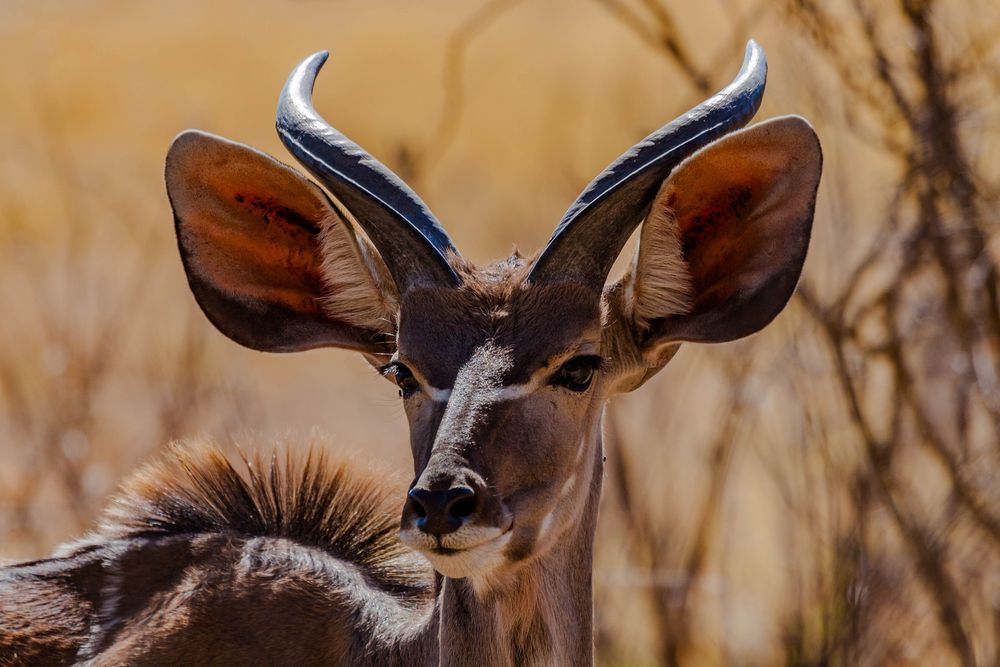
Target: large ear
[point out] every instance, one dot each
(723, 244)
(271, 261)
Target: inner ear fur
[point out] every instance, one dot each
(724, 241)
(270, 259)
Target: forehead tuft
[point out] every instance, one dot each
(507, 272)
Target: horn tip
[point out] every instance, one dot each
(315, 61)
(754, 57)
(300, 82)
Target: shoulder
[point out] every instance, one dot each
(198, 552)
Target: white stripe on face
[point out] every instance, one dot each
(438, 395)
(568, 497)
(509, 392)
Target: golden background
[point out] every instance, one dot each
(822, 493)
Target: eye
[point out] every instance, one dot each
(577, 373)
(403, 376)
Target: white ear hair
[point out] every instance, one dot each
(359, 290)
(661, 282)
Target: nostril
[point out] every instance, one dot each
(461, 502)
(418, 506)
(463, 508)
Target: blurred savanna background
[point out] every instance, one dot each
(824, 493)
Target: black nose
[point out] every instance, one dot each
(442, 511)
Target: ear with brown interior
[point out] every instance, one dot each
(272, 263)
(723, 244)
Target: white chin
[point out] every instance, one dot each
(478, 560)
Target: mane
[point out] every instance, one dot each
(330, 505)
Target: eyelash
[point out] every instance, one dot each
(577, 374)
(403, 376)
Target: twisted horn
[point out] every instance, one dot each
(412, 243)
(595, 228)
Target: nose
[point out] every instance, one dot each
(442, 511)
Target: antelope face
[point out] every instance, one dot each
(502, 387)
(503, 370)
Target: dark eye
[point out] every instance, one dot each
(577, 373)
(403, 376)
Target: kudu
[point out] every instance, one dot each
(504, 372)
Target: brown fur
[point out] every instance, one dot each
(195, 558)
(46, 608)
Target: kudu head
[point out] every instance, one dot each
(503, 370)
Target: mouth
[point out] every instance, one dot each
(441, 550)
(444, 551)
(465, 558)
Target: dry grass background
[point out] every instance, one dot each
(823, 493)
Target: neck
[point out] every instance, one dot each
(541, 614)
